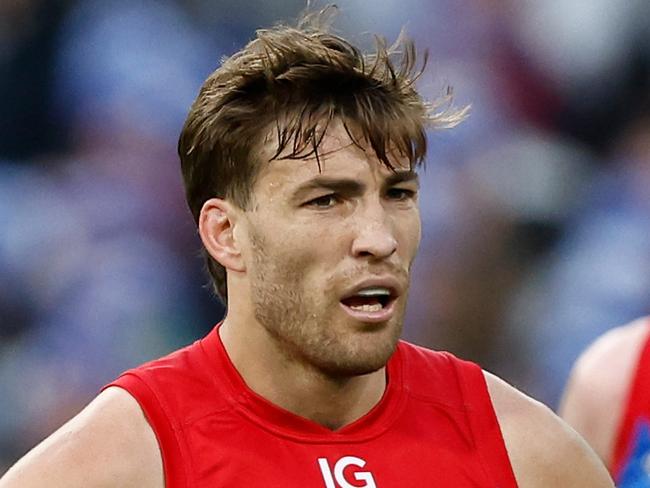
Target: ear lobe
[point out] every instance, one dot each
(216, 229)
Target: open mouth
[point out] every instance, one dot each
(370, 303)
(367, 303)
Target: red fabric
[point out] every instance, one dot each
(637, 406)
(435, 426)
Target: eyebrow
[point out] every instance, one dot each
(406, 176)
(344, 186)
(351, 187)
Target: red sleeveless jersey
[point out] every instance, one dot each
(631, 460)
(434, 427)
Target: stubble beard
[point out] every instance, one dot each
(300, 320)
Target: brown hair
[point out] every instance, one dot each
(296, 80)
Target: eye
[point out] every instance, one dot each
(400, 194)
(326, 201)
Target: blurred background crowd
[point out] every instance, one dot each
(536, 210)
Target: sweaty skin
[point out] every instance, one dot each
(310, 238)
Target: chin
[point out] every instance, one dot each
(370, 355)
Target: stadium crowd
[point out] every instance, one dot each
(536, 212)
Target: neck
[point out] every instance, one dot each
(293, 385)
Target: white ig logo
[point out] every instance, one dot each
(338, 475)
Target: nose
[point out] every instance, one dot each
(374, 236)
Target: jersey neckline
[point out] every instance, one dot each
(279, 421)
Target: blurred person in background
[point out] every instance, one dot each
(299, 160)
(607, 400)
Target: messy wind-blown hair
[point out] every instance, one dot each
(295, 81)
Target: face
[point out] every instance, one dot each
(329, 253)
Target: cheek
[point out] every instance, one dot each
(295, 251)
(409, 230)
(315, 253)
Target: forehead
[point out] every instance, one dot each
(338, 156)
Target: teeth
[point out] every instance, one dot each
(374, 292)
(376, 307)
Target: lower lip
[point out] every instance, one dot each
(371, 317)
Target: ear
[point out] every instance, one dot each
(217, 222)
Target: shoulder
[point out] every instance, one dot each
(594, 398)
(611, 359)
(109, 443)
(543, 450)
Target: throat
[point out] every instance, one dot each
(299, 387)
(341, 403)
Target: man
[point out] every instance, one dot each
(607, 400)
(298, 157)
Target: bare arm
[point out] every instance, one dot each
(594, 397)
(543, 450)
(109, 444)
